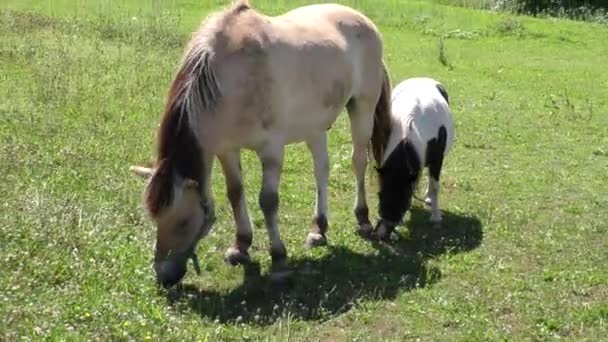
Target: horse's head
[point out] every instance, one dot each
(181, 217)
(398, 177)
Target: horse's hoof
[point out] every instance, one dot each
(366, 231)
(235, 257)
(315, 240)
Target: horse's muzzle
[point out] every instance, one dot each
(170, 272)
(171, 269)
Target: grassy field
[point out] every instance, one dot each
(523, 252)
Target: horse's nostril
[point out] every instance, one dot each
(169, 273)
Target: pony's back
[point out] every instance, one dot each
(419, 108)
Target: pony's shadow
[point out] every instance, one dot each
(326, 287)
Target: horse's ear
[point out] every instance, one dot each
(141, 171)
(190, 183)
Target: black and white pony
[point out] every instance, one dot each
(422, 133)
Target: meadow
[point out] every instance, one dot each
(522, 253)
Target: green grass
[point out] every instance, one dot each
(522, 254)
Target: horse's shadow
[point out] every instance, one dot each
(325, 287)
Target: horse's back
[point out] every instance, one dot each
(324, 40)
(292, 73)
(335, 54)
(419, 109)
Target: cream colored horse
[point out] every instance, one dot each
(253, 81)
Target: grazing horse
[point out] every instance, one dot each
(421, 135)
(258, 82)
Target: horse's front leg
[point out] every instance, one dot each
(272, 166)
(238, 252)
(318, 149)
(207, 194)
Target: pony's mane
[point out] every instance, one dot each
(195, 91)
(399, 177)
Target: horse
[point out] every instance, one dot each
(257, 82)
(421, 136)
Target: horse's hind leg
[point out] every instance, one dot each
(318, 149)
(435, 155)
(272, 166)
(231, 165)
(361, 124)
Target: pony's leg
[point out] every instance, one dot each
(433, 193)
(434, 199)
(318, 149)
(435, 155)
(231, 165)
(361, 125)
(272, 166)
(427, 196)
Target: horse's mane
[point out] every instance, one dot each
(195, 91)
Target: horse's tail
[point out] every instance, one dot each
(382, 118)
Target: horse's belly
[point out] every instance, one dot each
(303, 125)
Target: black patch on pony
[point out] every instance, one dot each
(401, 171)
(435, 151)
(443, 92)
(398, 177)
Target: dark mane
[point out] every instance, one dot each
(398, 178)
(195, 90)
(178, 151)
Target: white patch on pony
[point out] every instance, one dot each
(418, 110)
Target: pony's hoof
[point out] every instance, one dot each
(235, 257)
(315, 240)
(366, 231)
(383, 234)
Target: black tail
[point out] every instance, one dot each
(382, 119)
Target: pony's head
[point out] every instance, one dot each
(181, 216)
(398, 177)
